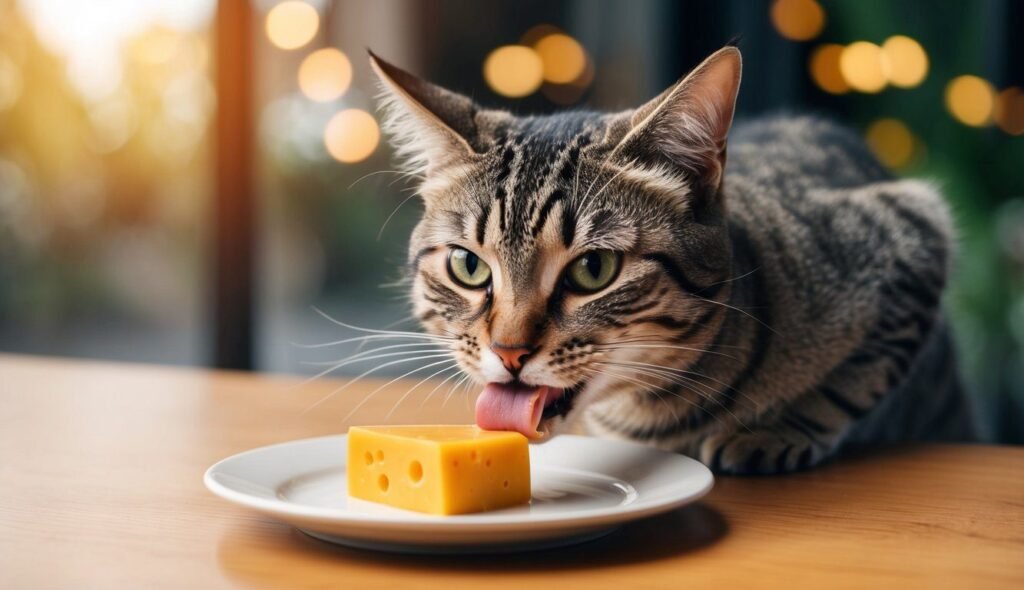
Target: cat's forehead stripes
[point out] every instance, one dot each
(532, 172)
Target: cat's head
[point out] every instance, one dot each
(559, 251)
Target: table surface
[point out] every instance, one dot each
(101, 487)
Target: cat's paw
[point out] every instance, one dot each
(752, 453)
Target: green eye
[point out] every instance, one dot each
(593, 271)
(467, 269)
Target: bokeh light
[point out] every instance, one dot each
(189, 98)
(113, 122)
(10, 82)
(96, 78)
(891, 141)
(1009, 111)
(351, 135)
(864, 66)
(798, 20)
(94, 38)
(970, 100)
(571, 93)
(325, 74)
(292, 24)
(159, 46)
(514, 71)
(825, 72)
(1009, 226)
(563, 57)
(908, 63)
(538, 32)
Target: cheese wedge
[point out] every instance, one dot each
(438, 469)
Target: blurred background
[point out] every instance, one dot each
(183, 181)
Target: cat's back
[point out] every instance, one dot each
(814, 188)
(788, 155)
(851, 258)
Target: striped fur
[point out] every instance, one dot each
(764, 317)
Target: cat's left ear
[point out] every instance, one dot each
(687, 125)
(429, 126)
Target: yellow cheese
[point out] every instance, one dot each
(438, 469)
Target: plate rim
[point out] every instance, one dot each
(460, 522)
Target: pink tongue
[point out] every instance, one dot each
(503, 406)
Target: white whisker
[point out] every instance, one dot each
(457, 373)
(617, 346)
(365, 339)
(742, 276)
(644, 384)
(452, 364)
(376, 172)
(602, 189)
(454, 388)
(675, 370)
(388, 327)
(386, 221)
(369, 355)
(727, 306)
(372, 331)
(360, 357)
(400, 377)
(600, 172)
(661, 376)
(372, 370)
(672, 379)
(656, 340)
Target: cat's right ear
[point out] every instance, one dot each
(429, 126)
(687, 125)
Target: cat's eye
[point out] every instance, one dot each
(467, 269)
(593, 271)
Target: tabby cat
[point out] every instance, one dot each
(610, 274)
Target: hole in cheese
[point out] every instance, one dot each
(368, 457)
(415, 471)
(380, 455)
(472, 455)
(505, 484)
(487, 463)
(383, 482)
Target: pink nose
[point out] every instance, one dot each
(512, 356)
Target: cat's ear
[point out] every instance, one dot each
(687, 124)
(429, 126)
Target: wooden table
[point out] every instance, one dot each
(101, 487)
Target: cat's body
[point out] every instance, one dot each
(600, 266)
(837, 323)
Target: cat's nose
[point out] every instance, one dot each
(512, 355)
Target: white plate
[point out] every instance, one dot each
(582, 488)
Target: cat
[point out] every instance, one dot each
(618, 275)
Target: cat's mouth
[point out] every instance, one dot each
(522, 408)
